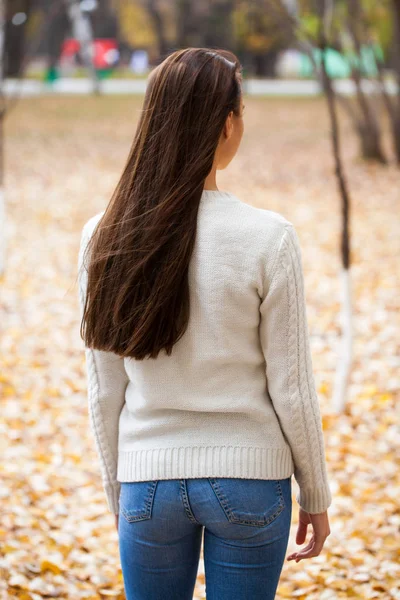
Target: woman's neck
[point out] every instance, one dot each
(210, 182)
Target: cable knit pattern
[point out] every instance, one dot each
(300, 416)
(236, 398)
(312, 423)
(103, 420)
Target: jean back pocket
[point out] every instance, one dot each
(255, 502)
(136, 499)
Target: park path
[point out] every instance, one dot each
(284, 88)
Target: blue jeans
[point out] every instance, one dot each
(246, 526)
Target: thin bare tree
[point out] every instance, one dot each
(157, 20)
(367, 122)
(2, 117)
(344, 364)
(324, 9)
(393, 103)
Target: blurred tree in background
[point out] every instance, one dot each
(248, 27)
(18, 13)
(157, 26)
(258, 39)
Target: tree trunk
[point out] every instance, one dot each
(396, 120)
(344, 365)
(2, 117)
(370, 141)
(158, 23)
(15, 37)
(82, 31)
(265, 64)
(396, 136)
(188, 26)
(218, 31)
(369, 128)
(57, 30)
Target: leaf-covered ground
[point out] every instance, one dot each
(63, 159)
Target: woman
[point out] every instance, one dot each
(201, 392)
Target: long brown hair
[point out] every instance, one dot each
(137, 297)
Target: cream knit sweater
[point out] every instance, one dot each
(237, 396)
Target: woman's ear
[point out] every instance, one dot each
(228, 126)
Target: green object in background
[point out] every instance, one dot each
(339, 65)
(51, 75)
(336, 64)
(104, 73)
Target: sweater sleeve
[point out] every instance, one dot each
(106, 384)
(284, 337)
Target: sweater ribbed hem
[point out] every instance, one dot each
(188, 462)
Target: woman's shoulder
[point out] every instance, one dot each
(261, 214)
(262, 222)
(91, 223)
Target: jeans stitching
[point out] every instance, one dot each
(233, 519)
(148, 505)
(221, 498)
(186, 504)
(281, 499)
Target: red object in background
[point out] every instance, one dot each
(104, 50)
(69, 48)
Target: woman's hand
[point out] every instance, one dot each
(321, 530)
(116, 521)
